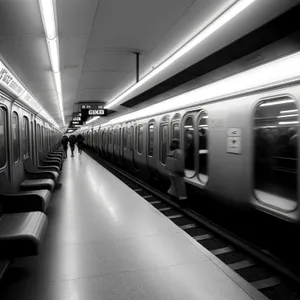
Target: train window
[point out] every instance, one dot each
(189, 145)
(175, 131)
(25, 137)
(124, 138)
(140, 139)
(276, 152)
(110, 137)
(15, 137)
(203, 150)
(2, 138)
(164, 142)
(42, 137)
(104, 140)
(116, 138)
(131, 137)
(120, 140)
(150, 139)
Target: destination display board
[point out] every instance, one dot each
(92, 110)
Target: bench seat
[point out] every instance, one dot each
(21, 234)
(26, 201)
(39, 184)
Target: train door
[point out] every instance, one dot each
(163, 144)
(188, 142)
(4, 142)
(151, 153)
(140, 153)
(26, 145)
(202, 142)
(129, 147)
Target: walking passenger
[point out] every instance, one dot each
(175, 167)
(79, 140)
(72, 141)
(64, 143)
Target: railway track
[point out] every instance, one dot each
(264, 271)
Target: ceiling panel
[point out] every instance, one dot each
(107, 59)
(20, 18)
(92, 95)
(99, 79)
(134, 23)
(75, 16)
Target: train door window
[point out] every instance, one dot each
(15, 137)
(3, 144)
(120, 141)
(42, 137)
(124, 137)
(25, 137)
(150, 139)
(110, 137)
(32, 141)
(164, 142)
(104, 139)
(276, 152)
(140, 139)
(189, 145)
(131, 135)
(203, 147)
(175, 131)
(116, 138)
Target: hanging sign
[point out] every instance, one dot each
(92, 110)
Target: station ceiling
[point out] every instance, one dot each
(98, 39)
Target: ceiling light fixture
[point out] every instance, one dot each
(288, 116)
(270, 74)
(48, 16)
(92, 120)
(277, 102)
(288, 111)
(210, 29)
(288, 123)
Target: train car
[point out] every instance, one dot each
(239, 135)
(24, 134)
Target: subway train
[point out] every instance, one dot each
(239, 135)
(25, 135)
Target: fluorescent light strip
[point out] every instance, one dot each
(47, 10)
(48, 15)
(57, 80)
(280, 70)
(218, 23)
(53, 47)
(277, 102)
(288, 116)
(92, 120)
(288, 111)
(287, 123)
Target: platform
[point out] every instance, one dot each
(104, 241)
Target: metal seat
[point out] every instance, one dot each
(38, 184)
(21, 234)
(36, 173)
(15, 200)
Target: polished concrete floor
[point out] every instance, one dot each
(106, 242)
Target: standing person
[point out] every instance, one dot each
(72, 141)
(64, 142)
(175, 166)
(79, 140)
